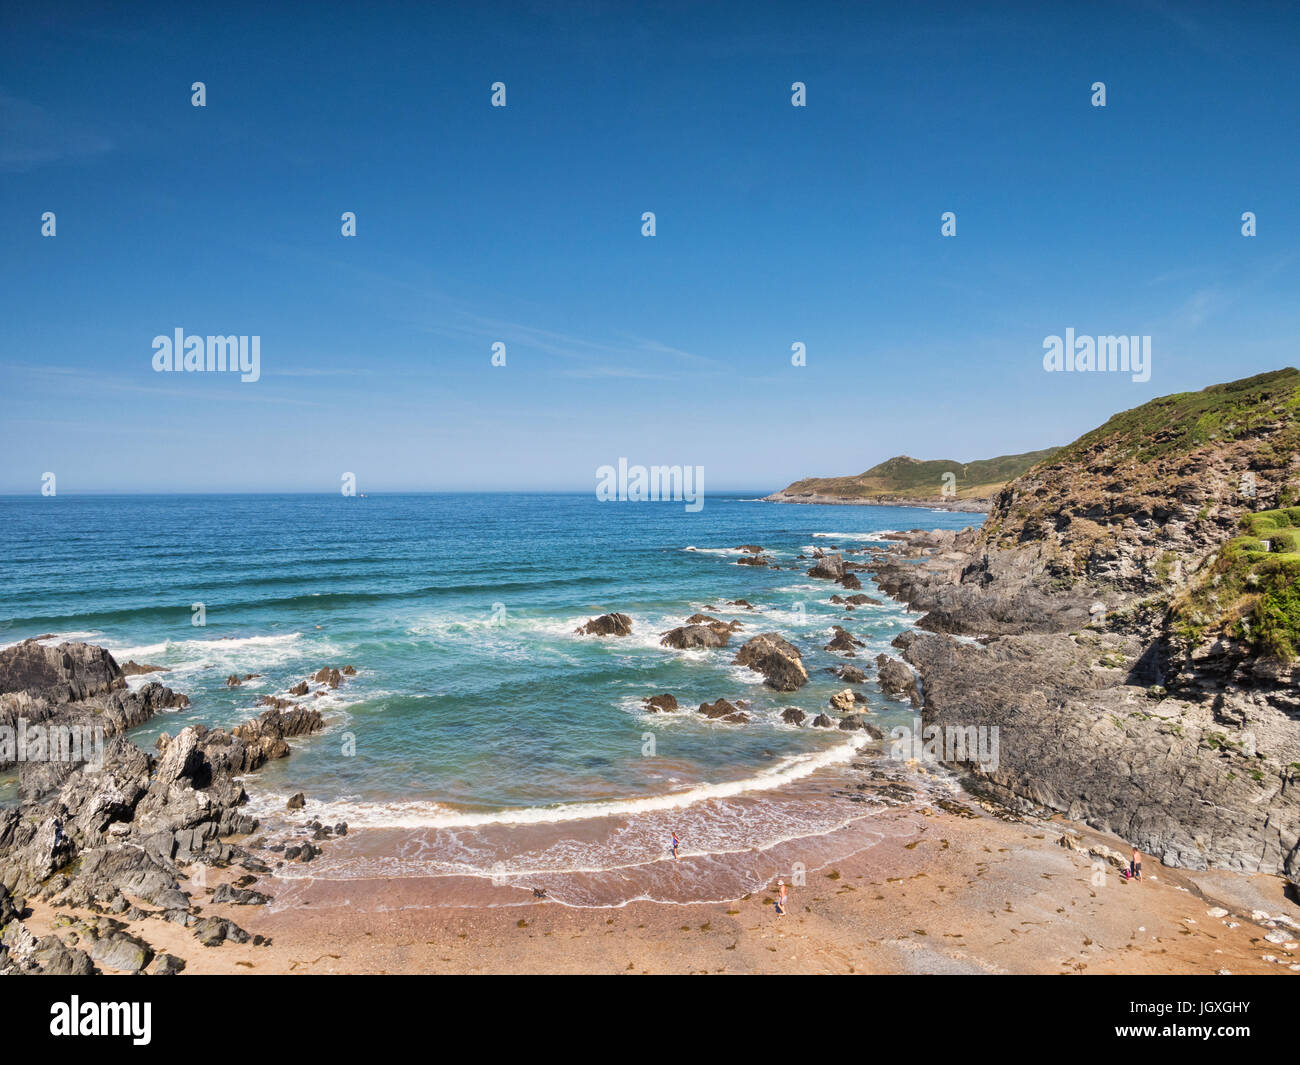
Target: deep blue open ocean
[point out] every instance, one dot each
(475, 703)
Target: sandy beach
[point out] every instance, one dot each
(955, 890)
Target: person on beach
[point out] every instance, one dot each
(676, 843)
(1135, 865)
(781, 898)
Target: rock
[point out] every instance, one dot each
(776, 659)
(226, 894)
(328, 675)
(297, 802)
(75, 688)
(823, 721)
(233, 681)
(844, 702)
(135, 669)
(792, 715)
(607, 625)
(720, 708)
(752, 549)
(842, 640)
(166, 965)
(828, 567)
(213, 931)
(52, 957)
(68, 672)
(685, 637)
(122, 952)
(657, 704)
(299, 688)
(896, 679)
(850, 674)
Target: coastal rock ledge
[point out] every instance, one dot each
(1125, 625)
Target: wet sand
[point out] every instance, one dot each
(952, 890)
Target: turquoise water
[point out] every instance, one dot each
(475, 703)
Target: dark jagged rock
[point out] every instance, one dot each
(843, 640)
(685, 637)
(328, 675)
(776, 659)
(113, 837)
(828, 567)
(720, 708)
(607, 625)
(792, 715)
(225, 894)
(71, 689)
(660, 704)
(135, 669)
(896, 679)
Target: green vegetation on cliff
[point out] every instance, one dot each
(1186, 421)
(916, 479)
(1252, 588)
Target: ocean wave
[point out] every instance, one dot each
(878, 534)
(49, 639)
(425, 814)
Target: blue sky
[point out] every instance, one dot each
(522, 224)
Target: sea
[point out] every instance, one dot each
(483, 743)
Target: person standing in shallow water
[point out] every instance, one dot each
(781, 898)
(676, 843)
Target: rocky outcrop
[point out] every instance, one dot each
(1110, 698)
(778, 660)
(660, 704)
(686, 637)
(112, 837)
(607, 625)
(71, 690)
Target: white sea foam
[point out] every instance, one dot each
(57, 637)
(877, 534)
(421, 814)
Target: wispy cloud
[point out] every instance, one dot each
(31, 136)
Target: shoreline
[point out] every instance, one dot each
(957, 890)
(921, 876)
